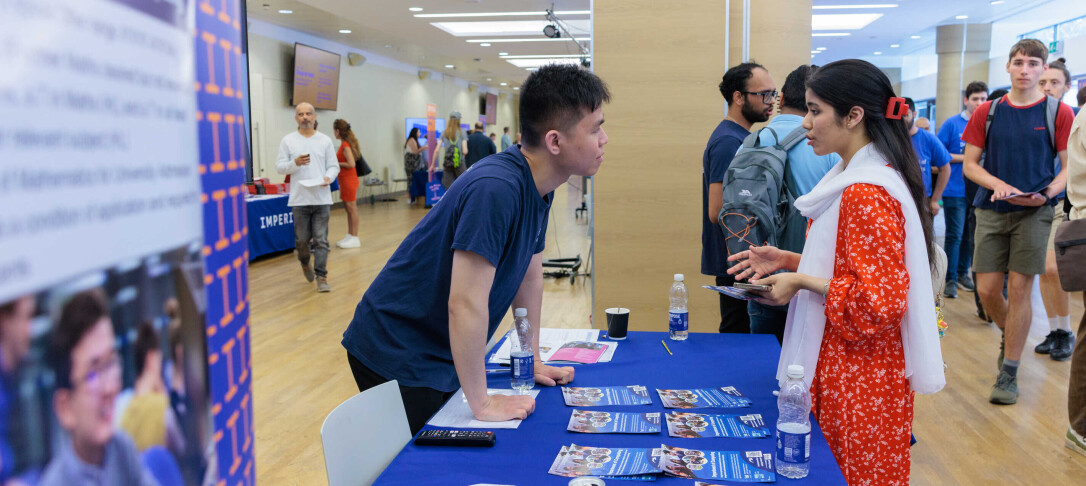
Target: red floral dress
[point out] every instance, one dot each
(860, 394)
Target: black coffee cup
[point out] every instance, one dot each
(618, 319)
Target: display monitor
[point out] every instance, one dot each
(316, 77)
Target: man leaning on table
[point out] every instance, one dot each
(425, 320)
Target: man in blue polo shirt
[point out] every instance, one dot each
(425, 320)
(957, 208)
(931, 154)
(1018, 186)
(749, 91)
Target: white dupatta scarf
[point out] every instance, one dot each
(806, 313)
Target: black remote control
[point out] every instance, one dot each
(461, 438)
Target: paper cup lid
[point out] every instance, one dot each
(586, 481)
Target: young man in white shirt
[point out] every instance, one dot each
(309, 157)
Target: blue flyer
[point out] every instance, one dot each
(605, 396)
(723, 397)
(739, 466)
(575, 460)
(595, 422)
(696, 425)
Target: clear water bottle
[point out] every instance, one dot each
(678, 315)
(794, 426)
(521, 356)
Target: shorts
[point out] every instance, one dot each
(1056, 220)
(348, 184)
(1012, 241)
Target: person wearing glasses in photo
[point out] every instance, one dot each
(87, 370)
(750, 93)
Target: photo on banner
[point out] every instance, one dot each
(103, 342)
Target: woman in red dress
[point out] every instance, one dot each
(348, 180)
(862, 312)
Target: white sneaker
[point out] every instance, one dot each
(343, 240)
(350, 242)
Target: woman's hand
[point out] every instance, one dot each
(783, 287)
(758, 262)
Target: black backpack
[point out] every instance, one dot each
(759, 200)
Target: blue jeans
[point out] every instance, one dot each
(765, 319)
(954, 215)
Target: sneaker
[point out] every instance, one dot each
(1005, 390)
(1047, 344)
(965, 282)
(322, 285)
(308, 272)
(1063, 346)
(1002, 344)
(950, 292)
(344, 240)
(1075, 442)
(350, 242)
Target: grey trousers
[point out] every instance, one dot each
(311, 222)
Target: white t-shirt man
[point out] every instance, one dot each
(322, 163)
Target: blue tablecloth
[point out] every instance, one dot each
(271, 224)
(523, 456)
(418, 182)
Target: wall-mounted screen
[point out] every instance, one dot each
(420, 123)
(316, 77)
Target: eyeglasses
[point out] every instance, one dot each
(110, 369)
(767, 96)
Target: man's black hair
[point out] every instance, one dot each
(912, 105)
(976, 87)
(146, 341)
(77, 317)
(997, 94)
(735, 79)
(557, 97)
(794, 92)
(1082, 96)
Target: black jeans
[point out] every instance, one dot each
(420, 403)
(733, 312)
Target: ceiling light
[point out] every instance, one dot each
(821, 48)
(541, 56)
(830, 34)
(914, 37)
(539, 62)
(878, 53)
(536, 39)
(485, 44)
(344, 31)
(449, 66)
(415, 9)
(503, 53)
(842, 21)
(286, 11)
(961, 17)
(507, 27)
(504, 84)
(501, 14)
(895, 46)
(388, 45)
(996, 2)
(815, 52)
(516, 88)
(836, 7)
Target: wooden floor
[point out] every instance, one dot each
(300, 370)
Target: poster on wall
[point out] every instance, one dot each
(104, 362)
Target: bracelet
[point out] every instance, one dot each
(826, 289)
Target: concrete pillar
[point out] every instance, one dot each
(963, 58)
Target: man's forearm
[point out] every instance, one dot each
(467, 339)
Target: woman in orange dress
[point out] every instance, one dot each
(861, 313)
(348, 180)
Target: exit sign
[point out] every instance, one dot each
(1055, 47)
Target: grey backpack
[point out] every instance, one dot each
(759, 195)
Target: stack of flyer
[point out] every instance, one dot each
(647, 464)
(595, 422)
(603, 396)
(563, 346)
(723, 397)
(696, 425)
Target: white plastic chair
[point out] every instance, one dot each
(363, 434)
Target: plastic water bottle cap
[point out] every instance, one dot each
(520, 312)
(795, 371)
(678, 277)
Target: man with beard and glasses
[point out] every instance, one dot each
(750, 93)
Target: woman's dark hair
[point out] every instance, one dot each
(794, 92)
(1061, 64)
(854, 83)
(557, 97)
(146, 341)
(413, 135)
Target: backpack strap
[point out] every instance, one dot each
(988, 120)
(754, 140)
(1052, 108)
(793, 138)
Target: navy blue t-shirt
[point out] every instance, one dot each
(930, 153)
(400, 329)
(722, 146)
(950, 134)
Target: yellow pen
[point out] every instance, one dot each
(667, 348)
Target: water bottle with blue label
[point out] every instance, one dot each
(521, 356)
(794, 426)
(678, 315)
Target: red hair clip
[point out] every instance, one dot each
(896, 108)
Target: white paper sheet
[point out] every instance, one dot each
(312, 182)
(457, 414)
(550, 339)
